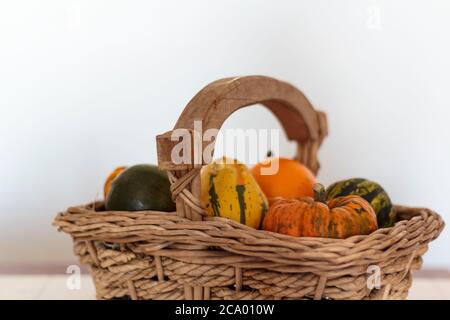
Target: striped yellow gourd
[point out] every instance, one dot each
(229, 190)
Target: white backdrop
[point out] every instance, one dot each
(86, 85)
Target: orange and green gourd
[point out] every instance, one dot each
(307, 217)
(372, 192)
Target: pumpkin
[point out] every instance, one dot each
(307, 217)
(111, 178)
(372, 192)
(291, 180)
(229, 190)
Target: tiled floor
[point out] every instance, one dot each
(56, 287)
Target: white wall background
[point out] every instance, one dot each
(86, 85)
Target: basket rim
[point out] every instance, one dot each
(161, 229)
(411, 213)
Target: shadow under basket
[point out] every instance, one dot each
(188, 255)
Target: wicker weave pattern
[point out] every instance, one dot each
(162, 256)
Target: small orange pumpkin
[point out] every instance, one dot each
(113, 175)
(307, 217)
(291, 180)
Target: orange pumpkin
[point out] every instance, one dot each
(291, 180)
(307, 217)
(111, 178)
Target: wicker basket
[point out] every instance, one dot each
(187, 255)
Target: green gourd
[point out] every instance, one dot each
(372, 192)
(140, 187)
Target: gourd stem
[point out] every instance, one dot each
(319, 193)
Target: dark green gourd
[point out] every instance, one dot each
(140, 187)
(372, 192)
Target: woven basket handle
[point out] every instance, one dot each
(218, 100)
(212, 106)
